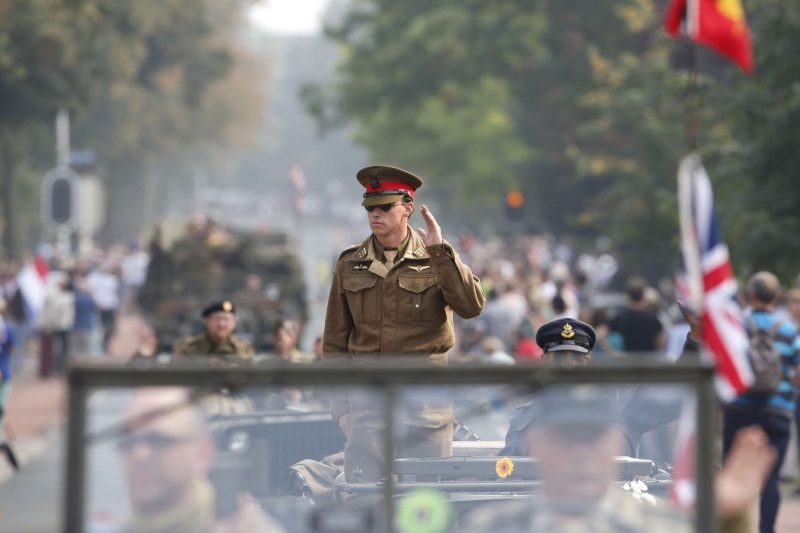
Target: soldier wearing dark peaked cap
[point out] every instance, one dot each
(394, 294)
(566, 334)
(217, 339)
(636, 409)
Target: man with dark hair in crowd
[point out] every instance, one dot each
(640, 328)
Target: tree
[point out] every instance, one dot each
(51, 56)
(428, 85)
(757, 168)
(142, 75)
(581, 106)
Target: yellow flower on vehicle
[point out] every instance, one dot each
(504, 467)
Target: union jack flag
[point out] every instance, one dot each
(710, 282)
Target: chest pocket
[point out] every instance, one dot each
(419, 300)
(362, 298)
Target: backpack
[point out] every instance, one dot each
(764, 359)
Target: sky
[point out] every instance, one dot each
(293, 17)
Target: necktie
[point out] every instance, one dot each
(389, 256)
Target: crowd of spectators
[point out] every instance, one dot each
(59, 309)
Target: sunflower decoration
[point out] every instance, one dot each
(504, 467)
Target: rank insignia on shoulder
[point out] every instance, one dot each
(418, 268)
(361, 267)
(567, 332)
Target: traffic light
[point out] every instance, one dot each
(515, 205)
(61, 201)
(60, 198)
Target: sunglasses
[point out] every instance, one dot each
(384, 207)
(155, 441)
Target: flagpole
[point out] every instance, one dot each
(692, 102)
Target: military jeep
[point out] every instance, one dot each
(255, 450)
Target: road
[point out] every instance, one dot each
(30, 501)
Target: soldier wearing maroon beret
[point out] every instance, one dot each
(394, 294)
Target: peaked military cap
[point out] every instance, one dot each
(566, 334)
(386, 185)
(222, 305)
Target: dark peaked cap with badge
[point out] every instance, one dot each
(566, 334)
(214, 307)
(386, 185)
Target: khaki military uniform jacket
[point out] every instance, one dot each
(408, 310)
(202, 345)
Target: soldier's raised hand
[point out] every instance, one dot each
(434, 233)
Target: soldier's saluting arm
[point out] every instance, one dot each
(461, 288)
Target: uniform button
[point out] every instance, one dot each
(416, 305)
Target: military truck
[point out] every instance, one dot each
(259, 271)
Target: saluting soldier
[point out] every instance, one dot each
(217, 339)
(394, 294)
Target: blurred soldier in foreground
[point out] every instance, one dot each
(394, 294)
(167, 454)
(218, 338)
(574, 438)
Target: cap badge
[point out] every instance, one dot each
(375, 183)
(567, 332)
(227, 306)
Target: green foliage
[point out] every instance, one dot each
(582, 105)
(760, 165)
(138, 73)
(430, 85)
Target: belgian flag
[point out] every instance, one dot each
(718, 24)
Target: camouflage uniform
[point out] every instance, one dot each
(618, 511)
(202, 345)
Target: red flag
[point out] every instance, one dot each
(718, 24)
(676, 16)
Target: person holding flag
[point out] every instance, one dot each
(712, 289)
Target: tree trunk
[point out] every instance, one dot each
(10, 196)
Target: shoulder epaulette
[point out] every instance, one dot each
(350, 248)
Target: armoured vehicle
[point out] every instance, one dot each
(260, 271)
